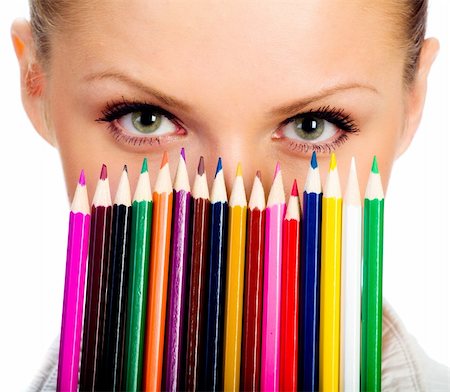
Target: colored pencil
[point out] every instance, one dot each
(235, 283)
(94, 314)
(372, 300)
(157, 287)
(253, 288)
(177, 294)
(197, 278)
(270, 344)
(290, 273)
(72, 313)
(310, 280)
(351, 284)
(141, 226)
(330, 282)
(112, 367)
(211, 376)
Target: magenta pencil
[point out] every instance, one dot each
(72, 313)
(270, 346)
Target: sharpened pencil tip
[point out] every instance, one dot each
(314, 160)
(201, 166)
(144, 166)
(219, 166)
(183, 154)
(277, 169)
(333, 163)
(104, 172)
(82, 180)
(294, 191)
(258, 174)
(375, 165)
(165, 160)
(125, 168)
(239, 170)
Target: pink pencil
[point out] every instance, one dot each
(270, 348)
(72, 313)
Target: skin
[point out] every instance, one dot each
(232, 65)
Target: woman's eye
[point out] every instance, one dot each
(147, 122)
(309, 128)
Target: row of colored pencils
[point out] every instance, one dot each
(189, 291)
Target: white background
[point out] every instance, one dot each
(35, 213)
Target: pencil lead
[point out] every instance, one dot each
(333, 163)
(375, 165)
(314, 160)
(239, 170)
(165, 159)
(82, 180)
(201, 166)
(144, 166)
(183, 154)
(125, 168)
(258, 174)
(103, 173)
(219, 166)
(294, 191)
(277, 169)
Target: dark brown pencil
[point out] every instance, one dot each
(197, 282)
(96, 282)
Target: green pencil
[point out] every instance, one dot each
(372, 292)
(138, 280)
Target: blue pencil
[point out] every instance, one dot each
(212, 370)
(310, 281)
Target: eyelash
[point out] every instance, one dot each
(338, 117)
(115, 110)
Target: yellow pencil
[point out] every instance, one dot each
(235, 283)
(330, 282)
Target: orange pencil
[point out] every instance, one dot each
(157, 288)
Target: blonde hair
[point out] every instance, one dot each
(47, 17)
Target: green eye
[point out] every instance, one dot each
(309, 127)
(146, 121)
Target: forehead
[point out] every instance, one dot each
(264, 46)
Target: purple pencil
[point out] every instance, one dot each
(173, 356)
(72, 313)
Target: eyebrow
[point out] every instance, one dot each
(164, 98)
(291, 109)
(286, 110)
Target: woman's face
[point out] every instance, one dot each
(245, 80)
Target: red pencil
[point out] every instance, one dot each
(254, 268)
(289, 295)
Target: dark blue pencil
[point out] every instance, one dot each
(212, 368)
(310, 281)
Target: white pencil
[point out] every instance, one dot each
(351, 284)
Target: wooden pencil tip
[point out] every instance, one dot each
(294, 191)
(333, 162)
(258, 174)
(239, 170)
(314, 160)
(375, 165)
(144, 166)
(165, 160)
(201, 166)
(103, 173)
(82, 180)
(183, 154)
(219, 166)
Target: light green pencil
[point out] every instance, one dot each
(141, 223)
(372, 292)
